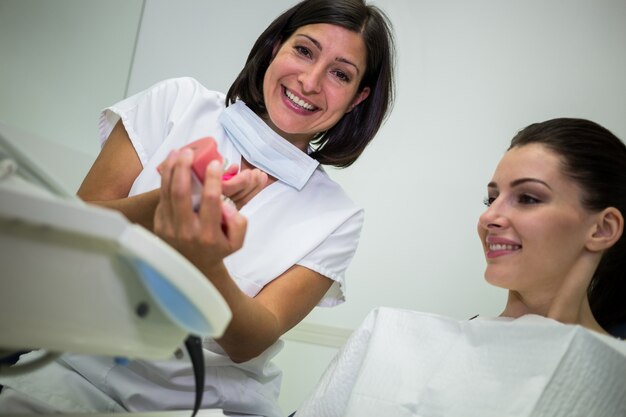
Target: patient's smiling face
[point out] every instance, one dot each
(534, 227)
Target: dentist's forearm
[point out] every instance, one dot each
(253, 327)
(137, 209)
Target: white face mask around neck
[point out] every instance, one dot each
(265, 149)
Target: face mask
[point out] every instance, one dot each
(265, 149)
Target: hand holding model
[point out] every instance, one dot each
(198, 235)
(238, 185)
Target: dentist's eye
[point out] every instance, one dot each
(303, 50)
(487, 201)
(342, 76)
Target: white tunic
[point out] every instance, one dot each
(317, 227)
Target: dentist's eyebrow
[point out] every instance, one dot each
(339, 59)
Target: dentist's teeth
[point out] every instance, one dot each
(298, 101)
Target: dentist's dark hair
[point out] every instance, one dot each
(342, 144)
(595, 159)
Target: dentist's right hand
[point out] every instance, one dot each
(204, 237)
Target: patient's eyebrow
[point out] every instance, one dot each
(520, 181)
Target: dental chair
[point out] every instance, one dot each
(80, 278)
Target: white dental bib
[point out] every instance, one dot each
(403, 363)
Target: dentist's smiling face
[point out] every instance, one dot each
(535, 226)
(313, 81)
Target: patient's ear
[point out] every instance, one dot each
(607, 230)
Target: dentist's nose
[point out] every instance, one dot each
(311, 79)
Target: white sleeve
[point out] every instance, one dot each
(333, 256)
(150, 116)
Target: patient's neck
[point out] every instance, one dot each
(573, 312)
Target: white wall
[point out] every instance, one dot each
(208, 40)
(60, 63)
(470, 75)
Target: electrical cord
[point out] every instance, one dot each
(194, 348)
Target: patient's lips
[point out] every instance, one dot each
(499, 246)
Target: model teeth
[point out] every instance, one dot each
(496, 246)
(298, 101)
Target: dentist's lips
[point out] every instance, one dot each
(297, 101)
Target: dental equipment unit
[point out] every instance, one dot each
(80, 278)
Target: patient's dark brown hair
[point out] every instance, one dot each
(595, 159)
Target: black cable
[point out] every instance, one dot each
(194, 348)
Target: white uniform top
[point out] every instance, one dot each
(317, 227)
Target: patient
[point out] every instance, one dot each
(553, 236)
(553, 229)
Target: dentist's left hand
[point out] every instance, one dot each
(205, 237)
(243, 185)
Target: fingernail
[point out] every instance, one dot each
(187, 153)
(228, 201)
(228, 207)
(214, 165)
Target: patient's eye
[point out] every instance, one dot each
(528, 199)
(488, 200)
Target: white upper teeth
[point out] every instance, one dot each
(298, 101)
(497, 246)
